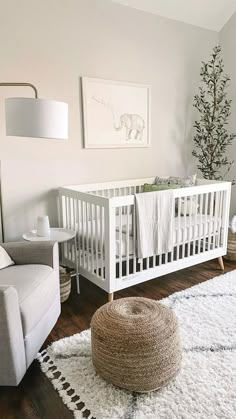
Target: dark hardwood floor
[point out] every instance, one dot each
(35, 396)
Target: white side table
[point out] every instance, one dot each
(59, 235)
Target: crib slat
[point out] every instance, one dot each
(83, 233)
(195, 201)
(210, 228)
(69, 246)
(67, 226)
(134, 238)
(69, 212)
(205, 222)
(102, 240)
(120, 242)
(96, 239)
(127, 239)
(66, 206)
(88, 235)
(78, 230)
(75, 256)
(74, 214)
(69, 254)
(62, 211)
(178, 227)
(185, 232)
(141, 264)
(190, 225)
(172, 232)
(220, 219)
(215, 216)
(140, 260)
(200, 228)
(92, 236)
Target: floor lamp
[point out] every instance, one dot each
(33, 117)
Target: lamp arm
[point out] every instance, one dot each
(7, 84)
(1, 209)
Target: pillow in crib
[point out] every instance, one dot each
(154, 188)
(184, 181)
(5, 259)
(161, 180)
(181, 182)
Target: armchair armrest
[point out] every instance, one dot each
(41, 253)
(12, 350)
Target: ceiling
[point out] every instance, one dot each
(209, 14)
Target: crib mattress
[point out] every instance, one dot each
(184, 230)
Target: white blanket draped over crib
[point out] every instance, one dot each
(155, 214)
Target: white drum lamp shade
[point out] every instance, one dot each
(41, 118)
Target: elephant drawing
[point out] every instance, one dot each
(134, 125)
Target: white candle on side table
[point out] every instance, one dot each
(43, 226)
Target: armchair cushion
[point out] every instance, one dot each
(5, 259)
(36, 286)
(41, 253)
(12, 352)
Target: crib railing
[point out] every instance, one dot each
(200, 226)
(105, 222)
(85, 213)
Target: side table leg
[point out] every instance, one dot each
(77, 284)
(76, 266)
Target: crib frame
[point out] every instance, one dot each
(97, 205)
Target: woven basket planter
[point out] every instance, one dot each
(65, 284)
(231, 246)
(135, 344)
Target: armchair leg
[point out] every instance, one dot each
(221, 263)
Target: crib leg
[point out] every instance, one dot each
(110, 297)
(221, 263)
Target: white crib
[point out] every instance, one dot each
(104, 218)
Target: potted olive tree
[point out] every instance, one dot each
(211, 137)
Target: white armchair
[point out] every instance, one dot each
(29, 305)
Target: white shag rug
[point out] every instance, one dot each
(205, 387)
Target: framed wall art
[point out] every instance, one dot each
(115, 114)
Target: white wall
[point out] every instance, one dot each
(52, 43)
(227, 41)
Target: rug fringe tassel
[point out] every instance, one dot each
(51, 370)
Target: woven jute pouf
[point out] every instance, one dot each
(65, 284)
(136, 344)
(231, 246)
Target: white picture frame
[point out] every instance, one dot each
(115, 114)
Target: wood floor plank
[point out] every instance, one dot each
(35, 397)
